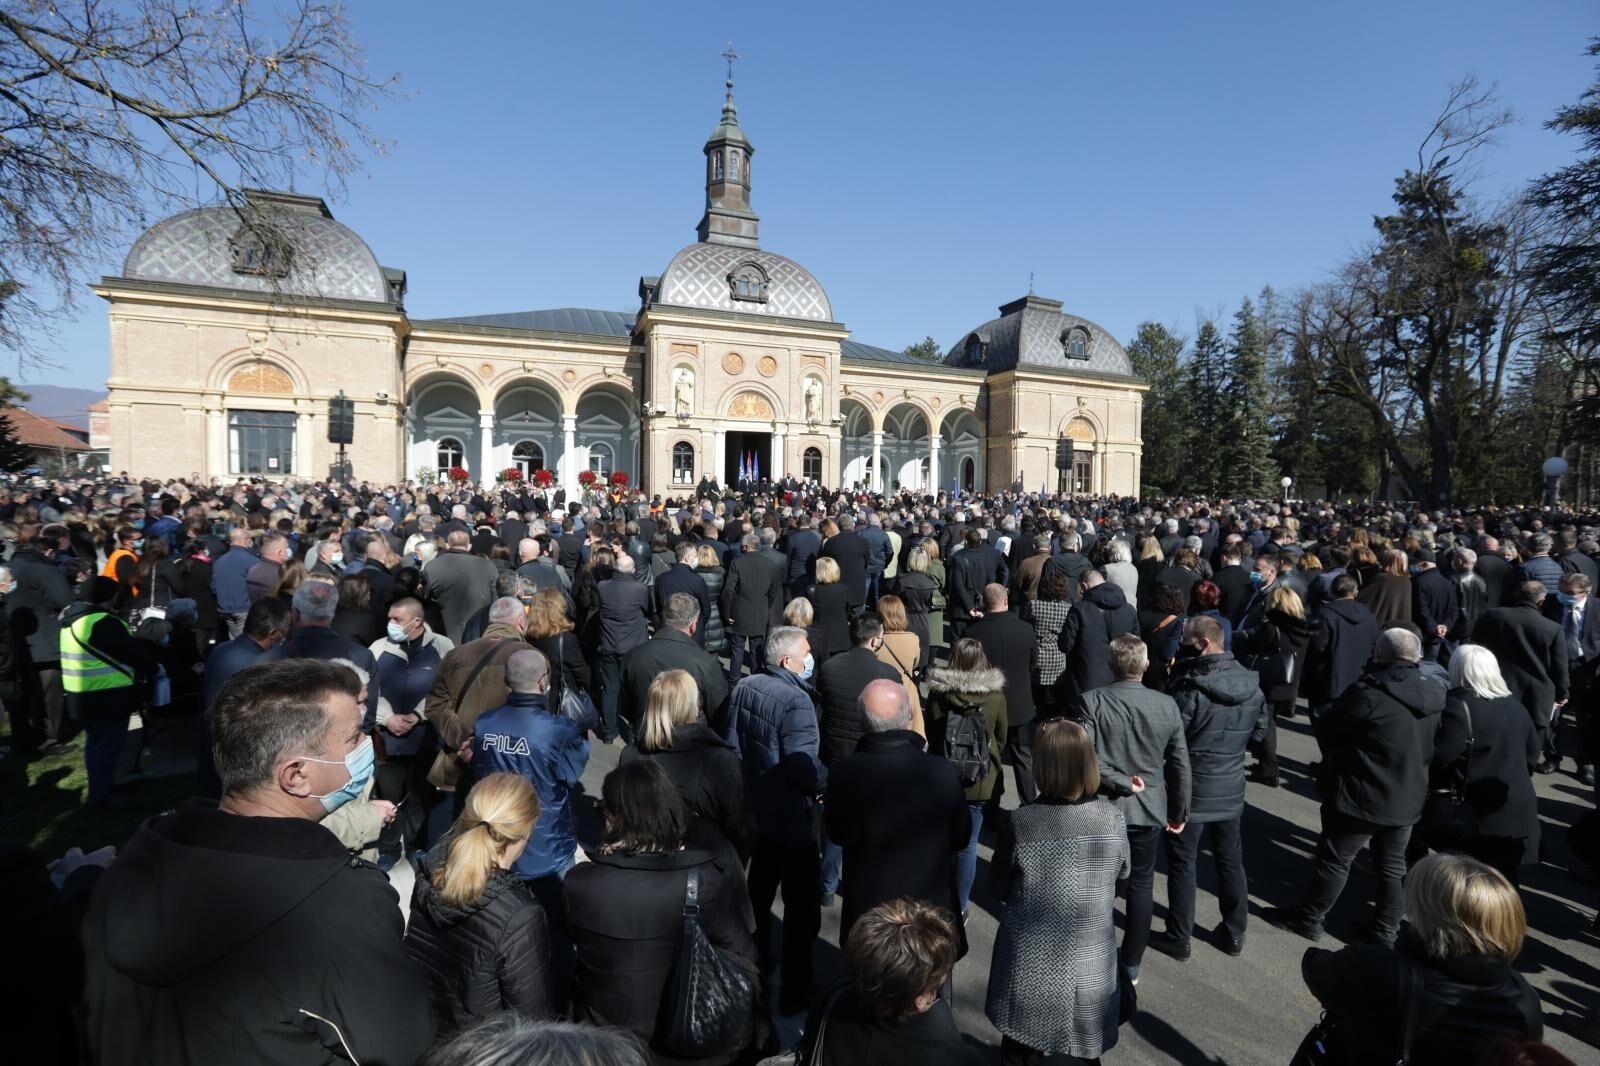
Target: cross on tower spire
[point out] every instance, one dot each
(730, 55)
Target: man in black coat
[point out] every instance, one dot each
(898, 812)
(1377, 745)
(1342, 646)
(1011, 647)
(1436, 605)
(1499, 576)
(1570, 610)
(848, 550)
(779, 562)
(749, 594)
(32, 610)
(1532, 654)
(967, 572)
(624, 626)
(1235, 583)
(802, 548)
(680, 577)
(1072, 563)
(1223, 712)
(512, 529)
(839, 682)
(245, 932)
(674, 648)
(1103, 615)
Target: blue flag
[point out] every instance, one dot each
(755, 465)
(744, 466)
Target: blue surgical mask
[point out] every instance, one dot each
(138, 544)
(1566, 599)
(809, 668)
(1415, 568)
(396, 632)
(358, 764)
(138, 523)
(1257, 577)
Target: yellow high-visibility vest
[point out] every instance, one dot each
(81, 669)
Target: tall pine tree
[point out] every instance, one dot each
(1246, 443)
(1165, 426)
(1208, 368)
(14, 455)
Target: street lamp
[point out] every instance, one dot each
(1554, 467)
(1286, 481)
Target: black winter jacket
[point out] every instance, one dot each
(672, 649)
(839, 682)
(216, 937)
(1496, 777)
(1377, 744)
(488, 957)
(1279, 635)
(34, 605)
(1100, 617)
(711, 781)
(1340, 651)
(1223, 710)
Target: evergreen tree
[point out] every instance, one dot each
(14, 455)
(1206, 377)
(1246, 442)
(927, 350)
(1156, 354)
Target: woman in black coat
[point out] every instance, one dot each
(550, 631)
(625, 908)
(1387, 593)
(1451, 969)
(1483, 756)
(194, 581)
(354, 619)
(705, 770)
(712, 573)
(831, 606)
(476, 932)
(1276, 650)
(917, 590)
(1160, 627)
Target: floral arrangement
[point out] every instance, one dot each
(544, 478)
(459, 475)
(426, 476)
(587, 478)
(619, 479)
(512, 474)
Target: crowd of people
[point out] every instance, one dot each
(822, 697)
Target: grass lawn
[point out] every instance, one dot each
(42, 803)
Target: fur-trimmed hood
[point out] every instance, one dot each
(969, 682)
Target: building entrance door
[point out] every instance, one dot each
(749, 457)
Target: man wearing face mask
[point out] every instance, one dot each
(1580, 635)
(316, 601)
(244, 931)
(103, 665)
(408, 657)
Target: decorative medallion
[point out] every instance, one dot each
(569, 376)
(937, 403)
(733, 363)
(486, 371)
(877, 397)
(261, 378)
(750, 405)
(767, 365)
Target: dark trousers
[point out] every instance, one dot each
(1143, 841)
(42, 716)
(1267, 750)
(1342, 838)
(1018, 752)
(403, 780)
(552, 896)
(1016, 1053)
(737, 651)
(608, 676)
(102, 746)
(1227, 851)
(797, 870)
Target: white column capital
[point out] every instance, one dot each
(486, 419)
(569, 423)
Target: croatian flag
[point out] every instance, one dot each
(744, 466)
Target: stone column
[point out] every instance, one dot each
(569, 455)
(216, 443)
(1099, 468)
(777, 455)
(874, 476)
(485, 447)
(719, 456)
(933, 464)
(304, 438)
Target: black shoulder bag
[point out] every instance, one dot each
(571, 701)
(709, 1004)
(1447, 817)
(1324, 1045)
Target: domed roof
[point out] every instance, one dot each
(1035, 332)
(699, 276)
(200, 247)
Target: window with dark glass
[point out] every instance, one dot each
(1082, 476)
(811, 464)
(682, 463)
(972, 354)
(450, 454)
(527, 457)
(261, 442)
(600, 459)
(1075, 343)
(748, 282)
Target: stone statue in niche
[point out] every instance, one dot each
(813, 400)
(683, 392)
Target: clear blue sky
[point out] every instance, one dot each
(1144, 161)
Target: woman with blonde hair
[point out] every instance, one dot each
(1276, 650)
(708, 564)
(937, 605)
(917, 591)
(831, 601)
(1451, 972)
(704, 769)
(476, 931)
(902, 650)
(550, 630)
(1388, 593)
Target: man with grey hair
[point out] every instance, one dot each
(898, 812)
(624, 625)
(523, 736)
(674, 648)
(1377, 744)
(459, 583)
(316, 601)
(218, 922)
(772, 727)
(470, 681)
(752, 589)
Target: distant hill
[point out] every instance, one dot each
(62, 403)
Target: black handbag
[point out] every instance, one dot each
(1324, 1044)
(571, 701)
(709, 1005)
(1447, 817)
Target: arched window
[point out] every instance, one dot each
(716, 167)
(450, 454)
(527, 457)
(733, 165)
(969, 474)
(748, 281)
(972, 354)
(811, 465)
(1075, 343)
(601, 461)
(683, 463)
